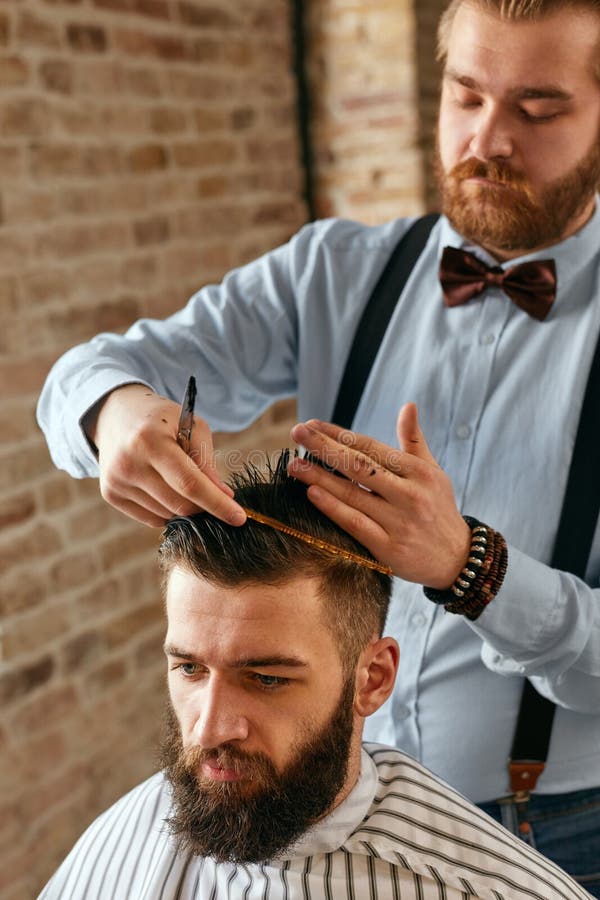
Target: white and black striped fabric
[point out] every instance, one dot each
(402, 834)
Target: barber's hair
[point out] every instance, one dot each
(355, 597)
(512, 10)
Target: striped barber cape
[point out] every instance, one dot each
(401, 834)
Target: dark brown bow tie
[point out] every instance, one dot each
(530, 285)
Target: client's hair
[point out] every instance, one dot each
(355, 597)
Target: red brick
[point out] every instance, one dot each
(72, 570)
(164, 303)
(21, 377)
(126, 546)
(205, 15)
(17, 421)
(124, 120)
(237, 53)
(144, 82)
(199, 154)
(99, 599)
(41, 541)
(74, 161)
(24, 117)
(211, 119)
(22, 465)
(71, 240)
(211, 221)
(165, 119)
(87, 38)
(121, 630)
(166, 46)
(38, 32)
(212, 186)
(8, 296)
(24, 206)
(82, 650)
(97, 518)
(14, 71)
(14, 250)
(285, 213)
(96, 278)
(49, 749)
(49, 793)
(56, 492)
(278, 150)
(33, 631)
(71, 326)
(17, 509)
(45, 286)
(189, 85)
(141, 272)
(11, 872)
(20, 681)
(99, 76)
(242, 118)
(4, 29)
(151, 231)
(57, 75)
(114, 5)
(206, 50)
(368, 100)
(135, 43)
(148, 158)
(105, 677)
(156, 9)
(270, 18)
(13, 161)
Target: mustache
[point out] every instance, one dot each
(252, 766)
(493, 171)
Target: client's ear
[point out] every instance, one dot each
(375, 675)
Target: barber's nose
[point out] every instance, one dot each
(220, 717)
(491, 137)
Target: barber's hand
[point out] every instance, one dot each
(143, 470)
(407, 516)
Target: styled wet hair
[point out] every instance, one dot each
(355, 597)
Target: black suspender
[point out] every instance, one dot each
(572, 547)
(376, 317)
(581, 504)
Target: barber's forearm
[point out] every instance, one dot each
(545, 624)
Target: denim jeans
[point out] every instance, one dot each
(564, 827)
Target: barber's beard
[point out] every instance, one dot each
(508, 215)
(229, 822)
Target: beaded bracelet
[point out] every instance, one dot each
(481, 578)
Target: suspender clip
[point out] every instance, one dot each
(523, 777)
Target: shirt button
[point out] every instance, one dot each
(418, 620)
(487, 339)
(463, 431)
(403, 712)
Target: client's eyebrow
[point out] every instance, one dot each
(243, 662)
(521, 92)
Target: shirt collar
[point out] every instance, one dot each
(332, 831)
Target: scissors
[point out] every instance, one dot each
(186, 417)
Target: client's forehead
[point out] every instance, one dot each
(229, 622)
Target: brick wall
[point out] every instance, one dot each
(363, 80)
(146, 146)
(133, 141)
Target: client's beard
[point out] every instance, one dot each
(225, 821)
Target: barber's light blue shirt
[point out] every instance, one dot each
(499, 396)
